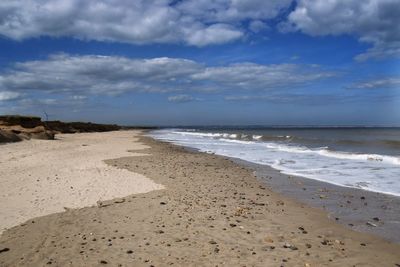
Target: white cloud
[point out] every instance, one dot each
(252, 76)
(38, 102)
(7, 95)
(376, 22)
(97, 74)
(78, 97)
(257, 26)
(243, 97)
(202, 22)
(232, 10)
(385, 83)
(215, 34)
(290, 98)
(199, 23)
(77, 77)
(181, 98)
(113, 20)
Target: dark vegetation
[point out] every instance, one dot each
(14, 128)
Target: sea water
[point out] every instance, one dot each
(365, 158)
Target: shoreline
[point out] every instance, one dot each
(357, 209)
(348, 206)
(211, 212)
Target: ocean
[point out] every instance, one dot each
(365, 158)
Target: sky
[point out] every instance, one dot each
(202, 62)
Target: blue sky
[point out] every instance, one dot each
(232, 62)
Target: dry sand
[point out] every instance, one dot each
(213, 212)
(40, 177)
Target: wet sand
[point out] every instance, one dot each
(358, 209)
(212, 212)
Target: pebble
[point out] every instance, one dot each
(288, 245)
(4, 250)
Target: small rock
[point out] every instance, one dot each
(371, 224)
(103, 262)
(129, 252)
(4, 250)
(287, 245)
(119, 200)
(303, 230)
(325, 242)
(101, 204)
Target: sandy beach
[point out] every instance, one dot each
(161, 205)
(40, 177)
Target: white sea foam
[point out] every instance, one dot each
(334, 154)
(372, 172)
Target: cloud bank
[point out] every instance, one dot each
(198, 23)
(384, 83)
(77, 77)
(203, 22)
(375, 22)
